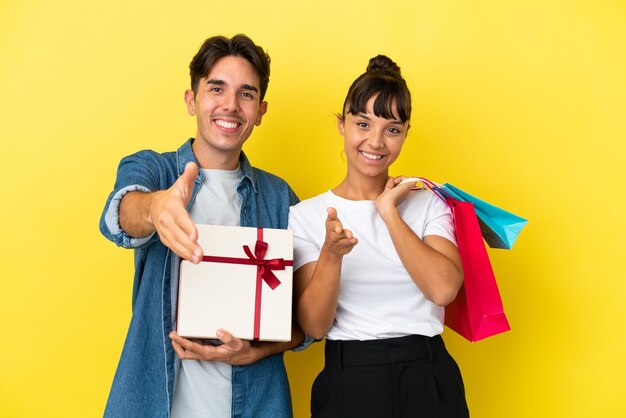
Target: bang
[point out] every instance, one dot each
(390, 97)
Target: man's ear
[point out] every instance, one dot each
(262, 111)
(340, 121)
(190, 100)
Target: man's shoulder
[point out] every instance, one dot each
(151, 161)
(149, 168)
(184, 152)
(149, 154)
(272, 187)
(265, 178)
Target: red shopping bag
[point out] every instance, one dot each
(477, 311)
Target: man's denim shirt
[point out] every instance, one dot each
(144, 380)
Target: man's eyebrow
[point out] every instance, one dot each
(223, 83)
(249, 87)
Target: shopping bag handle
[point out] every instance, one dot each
(432, 186)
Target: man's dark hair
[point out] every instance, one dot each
(218, 47)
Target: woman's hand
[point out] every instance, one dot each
(339, 241)
(394, 194)
(316, 284)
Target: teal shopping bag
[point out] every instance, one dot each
(499, 227)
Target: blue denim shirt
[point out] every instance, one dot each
(144, 381)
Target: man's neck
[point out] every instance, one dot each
(212, 159)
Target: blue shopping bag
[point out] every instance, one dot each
(498, 227)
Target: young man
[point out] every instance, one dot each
(156, 201)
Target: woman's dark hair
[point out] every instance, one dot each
(382, 78)
(218, 47)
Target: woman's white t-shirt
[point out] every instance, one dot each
(377, 297)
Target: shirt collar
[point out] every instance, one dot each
(184, 155)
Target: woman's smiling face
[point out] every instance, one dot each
(371, 143)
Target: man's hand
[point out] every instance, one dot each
(338, 241)
(168, 215)
(234, 350)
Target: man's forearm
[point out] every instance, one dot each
(134, 214)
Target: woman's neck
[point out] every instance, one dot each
(361, 187)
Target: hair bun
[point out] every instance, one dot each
(383, 63)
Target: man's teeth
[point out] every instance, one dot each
(371, 156)
(227, 125)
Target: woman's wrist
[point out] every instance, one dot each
(388, 213)
(328, 256)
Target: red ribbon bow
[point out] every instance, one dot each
(264, 267)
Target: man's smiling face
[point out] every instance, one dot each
(227, 107)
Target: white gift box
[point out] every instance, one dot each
(232, 287)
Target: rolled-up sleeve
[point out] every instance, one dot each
(137, 172)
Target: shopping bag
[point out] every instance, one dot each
(499, 227)
(476, 312)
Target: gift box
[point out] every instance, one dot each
(243, 284)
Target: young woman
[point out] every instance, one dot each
(375, 265)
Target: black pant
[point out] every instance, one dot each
(411, 376)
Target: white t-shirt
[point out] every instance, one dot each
(204, 388)
(377, 297)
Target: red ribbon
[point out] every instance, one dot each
(263, 272)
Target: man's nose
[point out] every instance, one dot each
(231, 102)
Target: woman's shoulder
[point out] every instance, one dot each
(422, 197)
(424, 201)
(309, 213)
(313, 202)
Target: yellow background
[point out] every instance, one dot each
(521, 103)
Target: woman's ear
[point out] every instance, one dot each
(340, 120)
